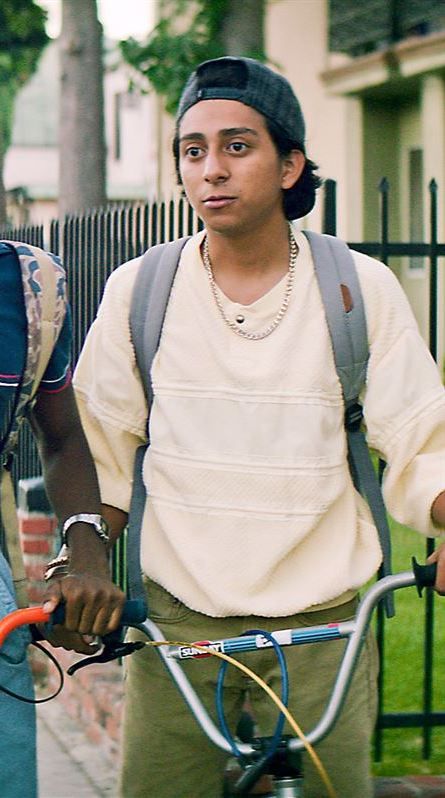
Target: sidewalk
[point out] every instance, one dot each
(71, 766)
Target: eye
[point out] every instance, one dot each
(193, 151)
(237, 146)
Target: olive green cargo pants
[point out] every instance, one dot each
(165, 753)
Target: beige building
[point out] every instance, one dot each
(392, 80)
(372, 86)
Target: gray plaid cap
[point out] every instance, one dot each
(251, 83)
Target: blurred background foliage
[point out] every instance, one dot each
(189, 33)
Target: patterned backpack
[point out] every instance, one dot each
(44, 294)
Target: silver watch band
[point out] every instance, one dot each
(97, 522)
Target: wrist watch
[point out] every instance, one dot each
(99, 525)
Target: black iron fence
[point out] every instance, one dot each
(93, 245)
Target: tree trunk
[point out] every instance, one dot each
(3, 215)
(7, 96)
(242, 30)
(81, 136)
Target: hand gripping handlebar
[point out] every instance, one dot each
(133, 613)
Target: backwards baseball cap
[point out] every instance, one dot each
(251, 83)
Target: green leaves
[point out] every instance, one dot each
(187, 35)
(22, 38)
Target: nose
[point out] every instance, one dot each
(215, 168)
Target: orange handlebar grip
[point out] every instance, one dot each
(21, 618)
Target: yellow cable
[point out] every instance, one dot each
(290, 719)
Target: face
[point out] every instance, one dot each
(230, 169)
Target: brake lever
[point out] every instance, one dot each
(112, 649)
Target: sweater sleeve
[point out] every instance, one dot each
(109, 392)
(404, 402)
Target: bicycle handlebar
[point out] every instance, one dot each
(355, 630)
(134, 612)
(424, 576)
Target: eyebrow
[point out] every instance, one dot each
(224, 133)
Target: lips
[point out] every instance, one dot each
(218, 201)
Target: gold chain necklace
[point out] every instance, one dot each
(254, 336)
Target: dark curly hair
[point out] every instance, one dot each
(299, 200)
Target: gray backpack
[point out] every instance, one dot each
(336, 273)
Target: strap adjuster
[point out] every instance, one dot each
(7, 460)
(353, 417)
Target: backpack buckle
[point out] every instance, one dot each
(353, 417)
(7, 460)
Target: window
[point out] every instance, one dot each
(416, 203)
(117, 124)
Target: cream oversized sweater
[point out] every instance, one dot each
(252, 509)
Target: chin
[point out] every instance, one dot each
(220, 225)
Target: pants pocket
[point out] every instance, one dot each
(163, 607)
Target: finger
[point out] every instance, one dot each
(87, 644)
(103, 622)
(52, 597)
(108, 616)
(115, 617)
(438, 557)
(73, 596)
(50, 605)
(87, 622)
(440, 577)
(101, 617)
(59, 637)
(93, 605)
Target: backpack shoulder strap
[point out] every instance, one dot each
(335, 267)
(53, 308)
(149, 302)
(335, 270)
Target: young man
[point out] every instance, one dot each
(93, 603)
(252, 519)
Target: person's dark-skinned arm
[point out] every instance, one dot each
(116, 519)
(93, 602)
(438, 556)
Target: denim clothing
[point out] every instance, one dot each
(18, 769)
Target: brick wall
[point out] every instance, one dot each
(38, 533)
(93, 696)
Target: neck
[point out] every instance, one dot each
(247, 267)
(259, 252)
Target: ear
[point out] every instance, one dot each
(293, 165)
